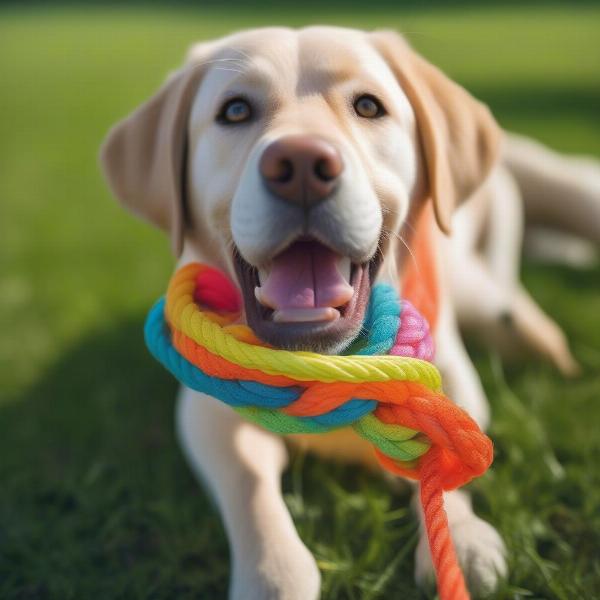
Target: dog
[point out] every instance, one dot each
(307, 164)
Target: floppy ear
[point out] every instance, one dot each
(459, 136)
(143, 156)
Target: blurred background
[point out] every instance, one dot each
(95, 499)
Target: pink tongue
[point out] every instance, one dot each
(305, 276)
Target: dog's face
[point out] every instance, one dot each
(299, 144)
(298, 156)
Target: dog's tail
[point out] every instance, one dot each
(560, 192)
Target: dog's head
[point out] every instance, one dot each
(292, 159)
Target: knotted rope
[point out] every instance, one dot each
(386, 389)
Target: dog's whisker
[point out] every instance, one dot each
(237, 62)
(248, 60)
(240, 51)
(224, 59)
(388, 234)
(412, 256)
(228, 62)
(232, 70)
(409, 226)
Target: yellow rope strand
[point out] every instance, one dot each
(184, 315)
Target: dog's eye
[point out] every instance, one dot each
(368, 107)
(234, 111)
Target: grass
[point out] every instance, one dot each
(95, 500)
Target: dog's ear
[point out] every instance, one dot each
(459, 136)
(143, 156)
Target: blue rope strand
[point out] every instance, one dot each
(382, 321)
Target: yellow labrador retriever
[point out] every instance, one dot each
(299, 161)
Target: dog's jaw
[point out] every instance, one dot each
(329, 336)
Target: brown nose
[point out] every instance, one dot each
(302, 169)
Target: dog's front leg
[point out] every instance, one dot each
(478, 545)
(242, 465)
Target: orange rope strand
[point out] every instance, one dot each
(450, 580)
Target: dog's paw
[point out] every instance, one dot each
(287, 572)
(480, 551)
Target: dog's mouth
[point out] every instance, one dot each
(308, 297)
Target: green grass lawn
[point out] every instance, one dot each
(95, 499)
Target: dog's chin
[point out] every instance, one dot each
(324, 336)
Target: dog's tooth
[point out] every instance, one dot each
(345, 267)
(260, 296)
(263, 273)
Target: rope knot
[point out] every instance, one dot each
(388, 391)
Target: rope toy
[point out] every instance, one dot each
(386, 389)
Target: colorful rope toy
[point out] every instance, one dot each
(387, 390)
